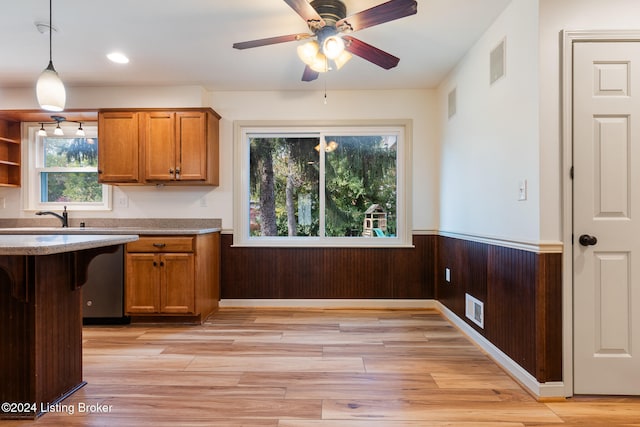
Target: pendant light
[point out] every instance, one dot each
(49, 88)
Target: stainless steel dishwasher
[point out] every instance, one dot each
(103, 293)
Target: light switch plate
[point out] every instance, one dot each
(522, 190)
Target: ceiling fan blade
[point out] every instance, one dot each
(385, 12)
(271, 40)
(370, 53)
(306, 11)
(309, 75)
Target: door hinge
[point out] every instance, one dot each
(571, 172)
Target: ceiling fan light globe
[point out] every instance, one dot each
(333, 47)
(320, 64)
(342, 59)
(308, 51)
(50, 90)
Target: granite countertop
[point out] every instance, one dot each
(151, 226)
(46, 244)
(106, 230)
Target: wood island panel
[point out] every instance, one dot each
(41, 320)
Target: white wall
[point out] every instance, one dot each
(556, 16)
(187, 202)
(491, 143)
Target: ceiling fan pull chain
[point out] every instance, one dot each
(325, 91)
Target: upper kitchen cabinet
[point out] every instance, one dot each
(181, 146)
(9, 153)
(119, 147)
(177, 146)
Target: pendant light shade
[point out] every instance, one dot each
(49, 88)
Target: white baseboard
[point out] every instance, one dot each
(551, 390)
(329, 303)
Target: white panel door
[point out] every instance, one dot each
(606, 228)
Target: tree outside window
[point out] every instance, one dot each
(322, 185)
(69, 173)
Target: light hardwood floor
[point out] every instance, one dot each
(309, 368)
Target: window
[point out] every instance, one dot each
(63, 170)
(322, 185)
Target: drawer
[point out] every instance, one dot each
(162, 244)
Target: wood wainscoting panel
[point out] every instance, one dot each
(467, 263)
(521, 293)
(510, 310)
(319, 273)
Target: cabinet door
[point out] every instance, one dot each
(191, 132)
(118, 147)
(160, 146)
(178, 284)
(142, 285)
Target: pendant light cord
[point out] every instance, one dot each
(50, 31)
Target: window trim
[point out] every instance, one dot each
(31, 171)
(242, 128)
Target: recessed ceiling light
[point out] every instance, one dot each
(118, 58)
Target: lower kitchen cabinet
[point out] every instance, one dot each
(173, 277)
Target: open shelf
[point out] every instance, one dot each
(10, 155)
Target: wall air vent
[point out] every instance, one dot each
(451, 103)
(474, 310)
(497, 62)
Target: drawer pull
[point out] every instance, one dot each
(159, 245)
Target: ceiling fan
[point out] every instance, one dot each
(329, 25)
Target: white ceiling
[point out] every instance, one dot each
(188, 42)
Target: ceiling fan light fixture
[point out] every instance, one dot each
(320, 64)
(342, 59)
(333, 46)
(308, 51)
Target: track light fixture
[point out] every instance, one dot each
(58, 130)
(50, 90)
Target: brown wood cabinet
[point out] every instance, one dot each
(9, 153)
(173, 276)
(119, 147)
(177, 146)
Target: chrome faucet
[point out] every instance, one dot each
(64, 218)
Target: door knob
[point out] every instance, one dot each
(586, 240)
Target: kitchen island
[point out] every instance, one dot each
(41, 317)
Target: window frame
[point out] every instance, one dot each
(242, 130)
(33, 167)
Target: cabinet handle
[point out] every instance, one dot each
(161, 263)
(99, 170)
(155, 264)
(159, 245)
(170, 171)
